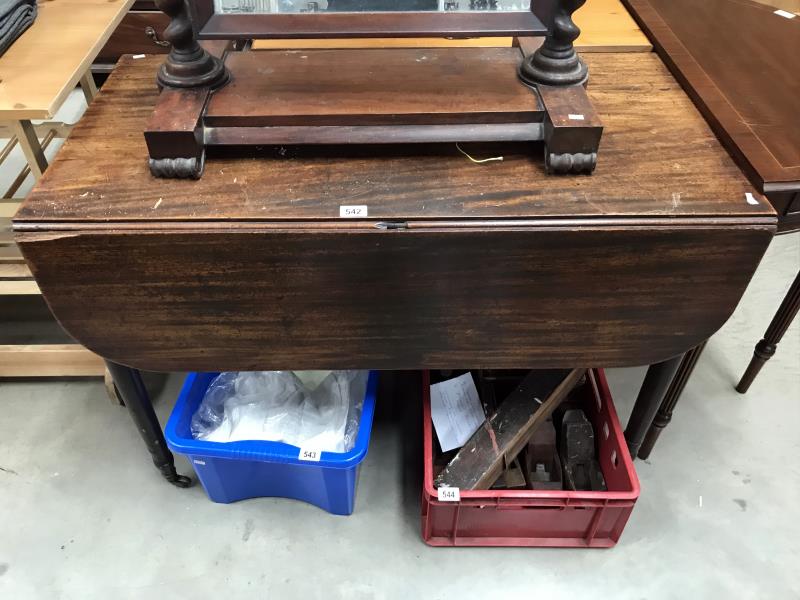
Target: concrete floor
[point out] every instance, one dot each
(84, 515)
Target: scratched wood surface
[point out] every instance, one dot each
(211, 298)
(482, 266)
(737, 60)
(657, 158)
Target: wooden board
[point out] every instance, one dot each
(606, 26)
(54, 360)
(46, 62)
(373, 87)
(646, 168)
(496, 444)
(16, 278)
(8, 208)
(735, 59)
(250, 298)
(486, 265)
(789, 5)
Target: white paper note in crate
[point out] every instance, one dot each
(456, 411)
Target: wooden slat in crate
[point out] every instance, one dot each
(496, 443)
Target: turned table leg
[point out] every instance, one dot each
(131, 388)
(766, 348)
(649, 399)
(674, 392)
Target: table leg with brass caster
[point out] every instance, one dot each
(131, 388)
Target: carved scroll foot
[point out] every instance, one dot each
(563, 164)
(178, 168)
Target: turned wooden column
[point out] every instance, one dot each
(651, 395)
(187, 65)
(555, 62)
(674, 392)
(765, 349)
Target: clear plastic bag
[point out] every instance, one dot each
(277, 406)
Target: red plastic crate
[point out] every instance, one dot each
(538, 517)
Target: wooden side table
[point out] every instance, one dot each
(450, 264)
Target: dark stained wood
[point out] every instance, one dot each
(671, 397)
(260, 297)
(172, 129)
(634, 179)
(383, 96)
(132, 36)
(555, 62)
(492, 265)
(366, 25)
(495, 445)
(187, 65)
(572, 129)
(768, 345)
(738, 62)
(374, 87)
(202, 11)
(651, 395)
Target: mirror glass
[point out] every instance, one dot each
(231, 7)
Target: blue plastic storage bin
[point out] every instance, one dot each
(235, 471)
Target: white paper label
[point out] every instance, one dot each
(785, 13)
(352, 212)
(456, 411)
(138, 56)
(576, 117)
(449, 494)
(309, 454)
(750, 199)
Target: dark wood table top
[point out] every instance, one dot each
(483, 265)
(738, 60)
(658, 158)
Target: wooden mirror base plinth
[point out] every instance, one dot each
(372, 96)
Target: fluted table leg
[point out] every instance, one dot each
(765, 349)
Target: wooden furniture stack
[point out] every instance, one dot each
(493, 265)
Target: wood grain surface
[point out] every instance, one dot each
(738, 62)
(494, 297)
(457, 264)
(46, 62)
(658, 158)
(373, 87)
(497, 443)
